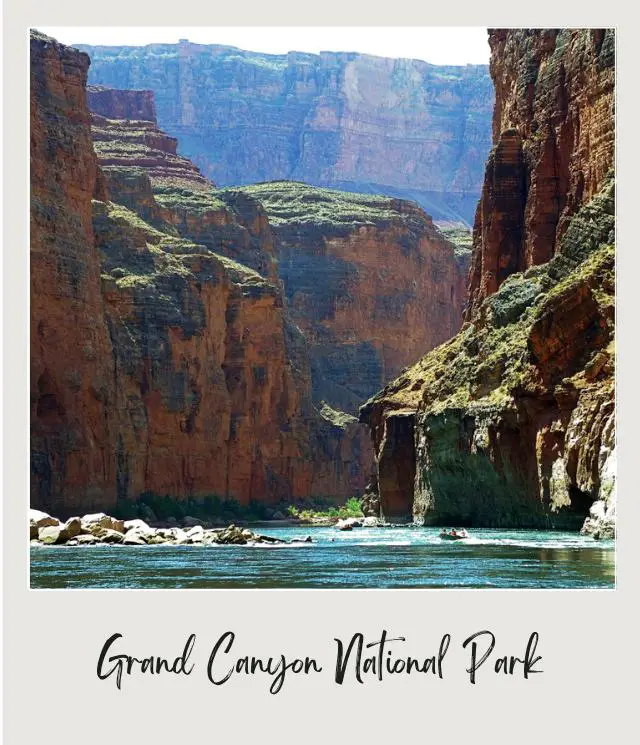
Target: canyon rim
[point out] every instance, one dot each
(332, 302)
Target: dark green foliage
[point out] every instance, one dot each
(512, 299)
(322, 509)
(210, 508)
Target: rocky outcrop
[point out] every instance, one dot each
(158, 364)
(265, 357)
(398, 127)
(137, 105)
(369, 280)
(144, 173)
(512, 422)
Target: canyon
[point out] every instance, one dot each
(196, 334)
(398, 127)
(512, 421)
(192, 342)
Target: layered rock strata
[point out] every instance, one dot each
(158, 364)
(73, 425)
(369, 280)
(137, 105)
(512, 422)
(553, 147)
(356, 122)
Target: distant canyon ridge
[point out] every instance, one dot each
(397, 127)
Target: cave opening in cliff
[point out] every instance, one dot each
(581, 502)
(397, 467)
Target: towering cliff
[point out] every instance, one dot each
(554, 139)
(369, 281)
(73, 423)
(398, 127)
(158, 364)
(512, 422)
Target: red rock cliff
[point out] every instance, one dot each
(138, 105)
(398, 127)
(159, 365)
(553, 147)
(512, 422)
(73, 422)
(369, 280)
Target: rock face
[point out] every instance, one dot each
(158, 364)
(398, 127)
(512, 422)
(137, 105)
(72, 386)
(368, 280)
(272, 443)
(553, 147)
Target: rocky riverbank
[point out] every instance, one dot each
(100, 528)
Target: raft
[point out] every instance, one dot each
(449, 537)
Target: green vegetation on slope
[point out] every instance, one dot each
(181, 196)
(482, 365)
(461, 237)
(292, 202)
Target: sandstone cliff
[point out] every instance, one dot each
(158, 364)
(136, 105)
(73, 424)
(369, 280)
(553, 146)
(398, 127)
(511, 423)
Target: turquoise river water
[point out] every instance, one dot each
(395, 557)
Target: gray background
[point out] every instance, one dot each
(52, 638)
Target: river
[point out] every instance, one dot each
(396, 557)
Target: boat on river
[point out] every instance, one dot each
(454, 535)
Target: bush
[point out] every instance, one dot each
(230, 510)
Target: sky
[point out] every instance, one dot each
(438, 45)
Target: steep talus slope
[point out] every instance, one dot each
(158, 365)
(399, 127)
(512, 422)
(369, 280)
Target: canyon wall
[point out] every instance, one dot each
(369, 280)
(554, 142)
(512, 422)
(399, 127)
(73, 423)
(158, 364)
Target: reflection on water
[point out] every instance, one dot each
(364, 558)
